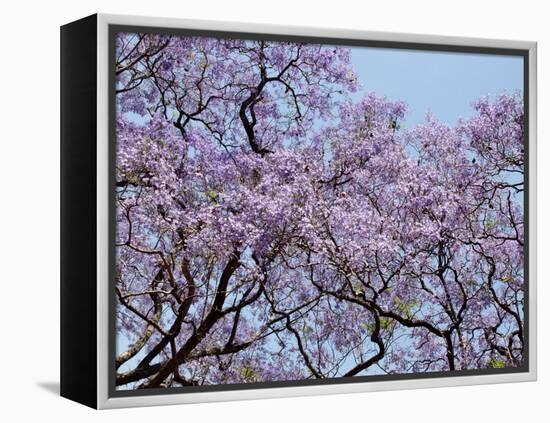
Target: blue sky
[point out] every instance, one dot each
(444, 83)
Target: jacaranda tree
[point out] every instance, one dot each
(270, 226)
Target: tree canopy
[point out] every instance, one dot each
(271, 226)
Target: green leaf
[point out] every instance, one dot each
(497, 364)
(405, 308)
(212, 196)
(490, 224)
(386, 323)
(248, 373)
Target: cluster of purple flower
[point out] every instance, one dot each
(271, 228)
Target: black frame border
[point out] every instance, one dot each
(114, 29)
(78, 211)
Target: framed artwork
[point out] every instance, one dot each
(256, 211)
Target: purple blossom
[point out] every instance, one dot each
(269, 227)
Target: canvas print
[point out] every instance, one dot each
(308, 211)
